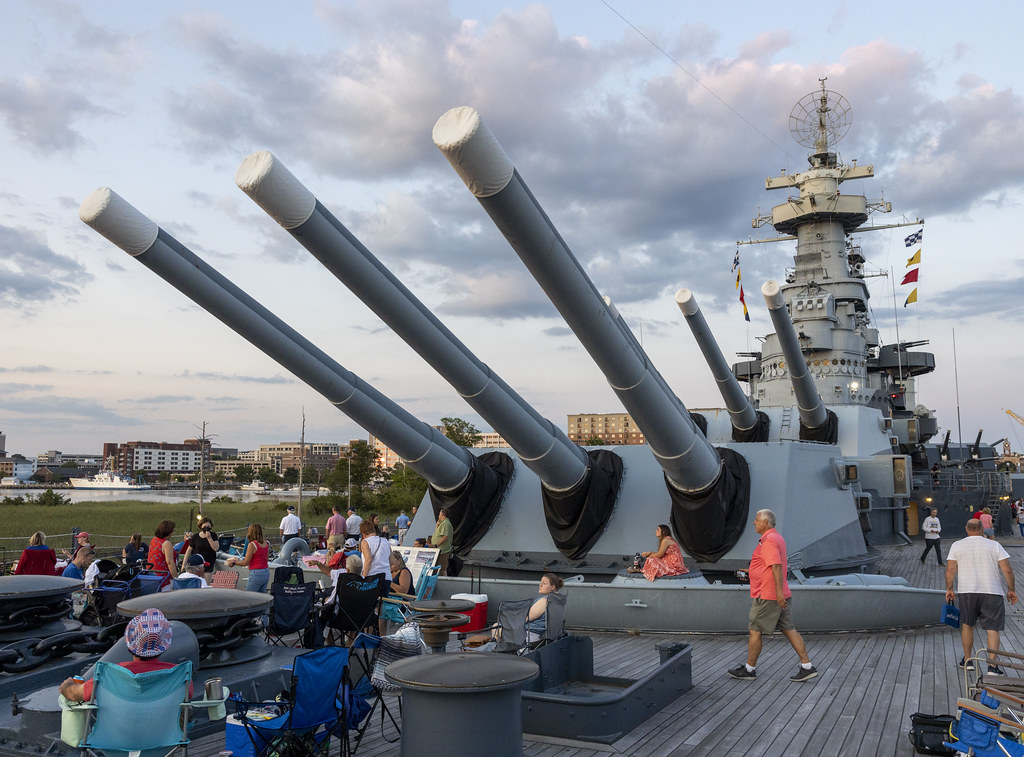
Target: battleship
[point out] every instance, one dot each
(827, 433)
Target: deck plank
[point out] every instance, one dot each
(868, 686)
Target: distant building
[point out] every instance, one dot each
(389, 458)
(491, 440)
(611, 428)
(17, 468)
(156, 457)
(279, 457)
(54, 457)
(3, 445)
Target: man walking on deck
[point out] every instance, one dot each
(976, 563)
(770, 609)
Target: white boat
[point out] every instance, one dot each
(107, 479)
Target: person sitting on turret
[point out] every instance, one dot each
(666, 561)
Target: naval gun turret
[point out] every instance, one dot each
(579, 487)
(448, 468)
(748, 424)
(710, 489)
(816, 422)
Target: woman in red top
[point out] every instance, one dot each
(37, 559)
(257, 558)
(161, 552)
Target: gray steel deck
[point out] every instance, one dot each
(860, 704)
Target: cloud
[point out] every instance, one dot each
(41, 113)
(162, 399)
(28, 369)
(32, 274)
(69, 408)
(8, 388)
(215, 376)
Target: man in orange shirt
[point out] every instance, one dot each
(770, 610)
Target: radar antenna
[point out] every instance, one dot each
(821, 119)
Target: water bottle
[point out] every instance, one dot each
(636, 560)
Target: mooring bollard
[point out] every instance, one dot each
(471, 699)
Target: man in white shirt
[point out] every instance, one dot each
(290, 526)
(352, 524)
(932, 528)
(976, 564)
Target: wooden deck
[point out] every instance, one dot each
(868, 686)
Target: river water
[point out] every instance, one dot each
(174, 496)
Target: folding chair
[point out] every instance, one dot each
(224, 579)
(131, 713)
(554, 623)
(354, 606)
(291, 611)
(395, 606)
(370, 657)
(514, 634)
(1002, 681)
(314, 711)
(976, 731)
(186, 582)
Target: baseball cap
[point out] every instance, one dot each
(148, 634)
(349, 543)
(291, 508)
(82, 535)
(196, 560)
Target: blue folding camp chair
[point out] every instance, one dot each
(313, 712)
(186, 582)
(137, 712)
(395, 607)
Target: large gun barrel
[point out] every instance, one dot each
(558, 462)
(745, 419)
(689, 461)
(441, 462)
(813, 414)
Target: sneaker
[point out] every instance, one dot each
(969, 665)
(996, 670)
(803, 674)
(743, 674)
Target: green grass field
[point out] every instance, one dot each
(111, 524)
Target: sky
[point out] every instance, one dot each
(645, 130)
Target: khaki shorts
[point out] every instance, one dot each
(336, 542)
(766, 616)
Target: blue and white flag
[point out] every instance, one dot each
(914, 238)
(736, 261)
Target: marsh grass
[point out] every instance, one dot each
(111, 524)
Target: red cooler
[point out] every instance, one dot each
(477, 616)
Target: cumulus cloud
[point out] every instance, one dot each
(32, 274)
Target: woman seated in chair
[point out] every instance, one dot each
(135, 551)
(667, 561)
(401, 576)
(536, 620)
(37, 559)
